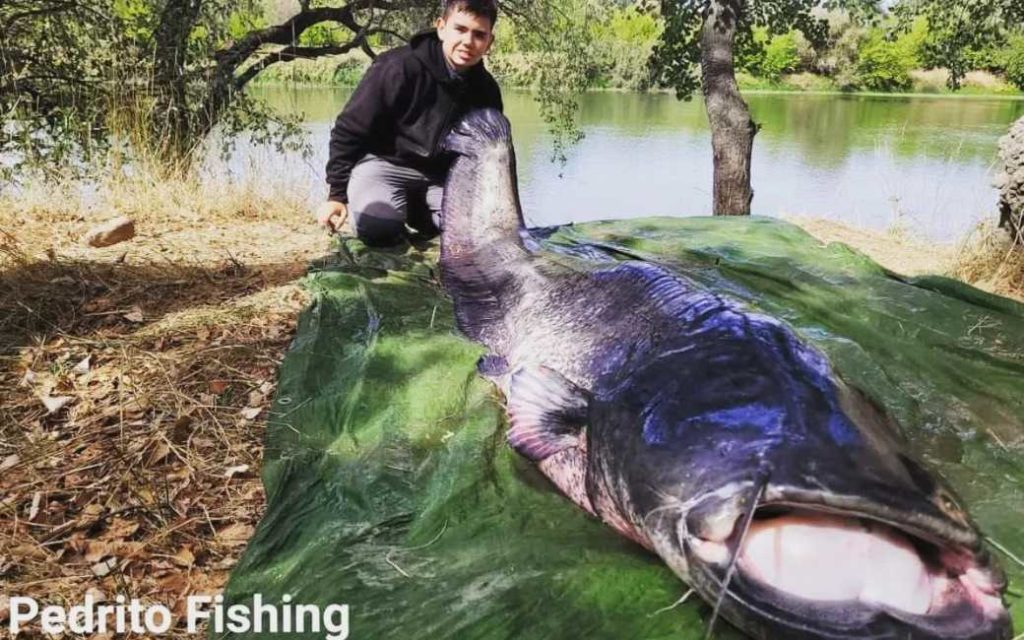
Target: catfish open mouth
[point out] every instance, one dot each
(841, 573)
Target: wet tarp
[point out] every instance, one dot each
(390, 487)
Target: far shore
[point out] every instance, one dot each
(970, 95)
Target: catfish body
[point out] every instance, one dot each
(710, 434)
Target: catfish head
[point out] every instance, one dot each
(785, 497)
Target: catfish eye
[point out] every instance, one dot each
(947, 502)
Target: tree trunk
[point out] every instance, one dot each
(732, 130)
(177, 20)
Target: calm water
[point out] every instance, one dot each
(924, 163)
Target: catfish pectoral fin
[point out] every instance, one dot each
(546, 412)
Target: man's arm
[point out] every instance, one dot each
(365, 115)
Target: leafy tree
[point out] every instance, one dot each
(56, 60)
(697, 51)
(164, 73)
(1014, 62)
(885, 65)
(958, 30)
(781, 55)
(839, 56)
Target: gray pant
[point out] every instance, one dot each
(384, 197)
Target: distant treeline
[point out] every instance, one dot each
(867, 54)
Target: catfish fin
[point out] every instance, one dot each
(547, 412)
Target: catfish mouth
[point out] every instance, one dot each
(803, 572)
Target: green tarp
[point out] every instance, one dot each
(390, 487)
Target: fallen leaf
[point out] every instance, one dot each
(102, 303)
(120, 529)
(92, 510)
(157, 453)
(101, 569)
(130, 550)
(96, 550)
(96, 595)
(217, 387)
(33, 511)
(77, 542)
(5, 607)
(175, 583)
(184, 558)
(235, 535)
(135, 315)
(231, 471)
(9, 462)
(251, 413)
(55, 404)
(83, 366)
(35, 552)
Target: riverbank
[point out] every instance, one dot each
(346, 71)
(135, 380)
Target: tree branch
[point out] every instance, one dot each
(294, 53)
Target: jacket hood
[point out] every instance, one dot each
(426, 46)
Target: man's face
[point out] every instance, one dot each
(465, 38)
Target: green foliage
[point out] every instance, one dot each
(323, 35)
(613, 44)
(885, 65)
(58, 63)
(961, 31)
(838, 58)
(676, 57)
(243, 21)
(781, 55)
(768, 56)
(1014, 62)
(624, 38)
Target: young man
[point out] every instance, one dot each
(385, 167)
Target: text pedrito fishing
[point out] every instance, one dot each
(132, 616)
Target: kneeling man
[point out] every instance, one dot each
(386, 168)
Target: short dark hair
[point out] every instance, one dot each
(480, 8)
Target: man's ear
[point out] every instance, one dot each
(439, 25)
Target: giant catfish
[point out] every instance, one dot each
(708, 433)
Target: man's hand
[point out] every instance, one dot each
(332, 215)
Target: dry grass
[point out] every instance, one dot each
(986, 259)
(937, 81)
(989, 260)
(895, 249)
(135, 381)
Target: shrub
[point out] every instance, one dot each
(1015, 62)
(838, 59)
(885, 65)
(624, 40)
(781, 55)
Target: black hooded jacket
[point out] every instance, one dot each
(404, 105)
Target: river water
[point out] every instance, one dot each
(923, 164)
